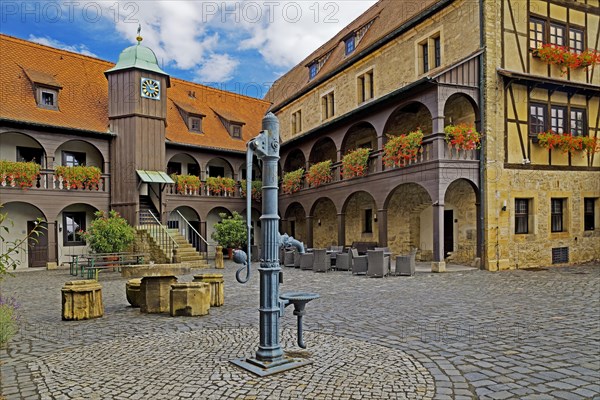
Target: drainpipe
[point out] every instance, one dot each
(482, 158)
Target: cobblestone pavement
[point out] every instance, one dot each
(463, 335)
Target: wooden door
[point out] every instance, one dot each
(37, 245)
(448, 232)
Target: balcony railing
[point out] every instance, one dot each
(48, 180)
(204, 191)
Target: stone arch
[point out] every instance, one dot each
(360, 216)
(13, 140)
(256, 171)
(22, 215)
(180, 222)
(324, 149)
(407, 118)
(294, 160)
(295, 221)
(93, 155)
(183, 164)
(219, 166)
(410, 220)
(460, 108)
(324, 217)
(362, 134)
(69, 242)
(461, 198)
(256, 238)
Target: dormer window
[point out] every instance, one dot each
(236, 131)
(312, 70)
(46, 88)
(195, 123)
(350, 45)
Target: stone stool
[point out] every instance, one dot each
(133, 292)
(155, 293)
(190, 299)
(82, 300)
(217, 288)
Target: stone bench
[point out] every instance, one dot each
(82, 300)
(190, 299)
(217, 287)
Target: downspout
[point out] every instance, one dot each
(482, 157)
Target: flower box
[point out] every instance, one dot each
(566, 59)
(319, 174)
(187, 184)
(400, 150)
(18, 174)
(220, 186)
(78, 177)
(355, 163)
(568, 143)
(256, 189)
(292, 181)
(462, 137)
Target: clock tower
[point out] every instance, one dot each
(137, 113)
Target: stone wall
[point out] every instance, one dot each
(460, 195)
(326, 234)
(355, 215)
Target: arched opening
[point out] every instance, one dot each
(183, 164)
(410, 220)
(459, 108)
(460, 222)
(71, 221)
(187, 221)
(21, 147)
(407, 119)
(21, 219)
(256, 171)
(323, 150)
(256, 236)
(77, 152)
(219, 167)
(325, 230)
(295, 160)
(361, 135)
(360, 213)
(213, 218)
(295, 217)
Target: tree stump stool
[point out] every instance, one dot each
(133, 292)
(190, 299)
(155, 293)
(219, 263)
(217, 287)
(82, 300)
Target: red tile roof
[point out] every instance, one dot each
(83, 96)
(386, 16)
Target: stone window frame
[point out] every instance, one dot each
(527, 215)
(532, 218)
(595, 213)
(559, 211)
(367, 220)
(296, 121)
(328, 105)
(362, 78)
(425, 51)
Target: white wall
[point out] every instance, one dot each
(64, 252)
(93, 158)
(9, 143)
(19, 214)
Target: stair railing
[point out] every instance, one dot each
(162, 237)
(195, 238)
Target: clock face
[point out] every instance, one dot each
(150, 89)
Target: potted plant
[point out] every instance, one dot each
(21, 174)
(79, 177)
(256, 187)
(187, 184)
(400, 150)
(462, 137)
(292, 181)
(230, 232)
(109, 233)
(220, 186)
(355, 163)
(319, 174)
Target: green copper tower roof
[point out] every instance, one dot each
(137, 56)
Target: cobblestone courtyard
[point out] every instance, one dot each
(463, 335)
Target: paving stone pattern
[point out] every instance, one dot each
(463, 335)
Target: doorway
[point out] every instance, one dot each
(37, 245)
(448, 232)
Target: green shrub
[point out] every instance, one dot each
(9, 323)
(109, 233)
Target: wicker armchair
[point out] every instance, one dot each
(307, 261)
(378, 264)
(288, 258)
(405, 265)
(342, 262)
(359, 264)
(322, 262)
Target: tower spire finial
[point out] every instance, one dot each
(139, 37)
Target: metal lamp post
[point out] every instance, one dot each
(269, 358)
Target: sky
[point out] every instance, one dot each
(241, 46)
